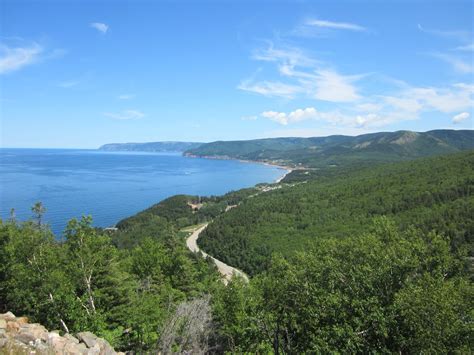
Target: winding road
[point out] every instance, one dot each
(226, 270)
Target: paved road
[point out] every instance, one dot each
(226, 270)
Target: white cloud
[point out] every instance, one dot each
(290, 56)
(379, 111)
(331, 86)
(12, 59)
(126, 96)
(270, 88)
(99, 26)
(335, 25)
(368, 106)
(335, 118)
(458, 64)
(294, 116)
(125, 115)
(306, 75)
(459, 35)
(469, 88)
(304, 78)
(467, 47)
(461, 117)
(446, 100)
(68, 84)
(403, 103)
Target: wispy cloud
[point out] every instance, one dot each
(343, 100)
(99, 26)
(467, 48)
(126, 96)
(270, 88)
(331, 86)
(125, 115)
(68, 84)
(457, 64)
(306, 77)
(15, 58)
(335, 25)
(459, 35)
(461, 117)
(291, 56)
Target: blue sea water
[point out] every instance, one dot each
(111, 185)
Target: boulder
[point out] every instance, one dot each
(58, 344)
(17, 336)
(22, 320)
(75, 348)
(25, 338)
(95, 350)
(12, 326)
(87, 338)
(7, 316)
(36, 330)
(71, 338)
(105, 348)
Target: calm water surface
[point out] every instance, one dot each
(111, 186)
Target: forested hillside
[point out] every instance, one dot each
(433, 194)
(353, 261)
(342, 150)
(172, 214)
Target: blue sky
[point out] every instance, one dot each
(81, 74)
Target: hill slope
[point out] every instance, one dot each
(342, 150)
(432, 194)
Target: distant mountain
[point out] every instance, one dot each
(150, 147)
(341, 150)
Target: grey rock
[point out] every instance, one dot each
(105, 348)
(95, 350)
(8, 316)
(71, 338)
(36, 330)
(25, 338)
(3, 323)
(73, 348)
(87, 338)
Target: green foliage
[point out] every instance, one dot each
(160, 221)
(431, 194)
(85, 283)
(385, 292)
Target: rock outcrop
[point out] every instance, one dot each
(18, 336)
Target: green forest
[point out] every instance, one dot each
(342, 151)
(366, 260)
(434, 194)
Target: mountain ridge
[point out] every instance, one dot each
(340, 149)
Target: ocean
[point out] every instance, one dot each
(112, 185)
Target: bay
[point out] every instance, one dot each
(112, 185)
